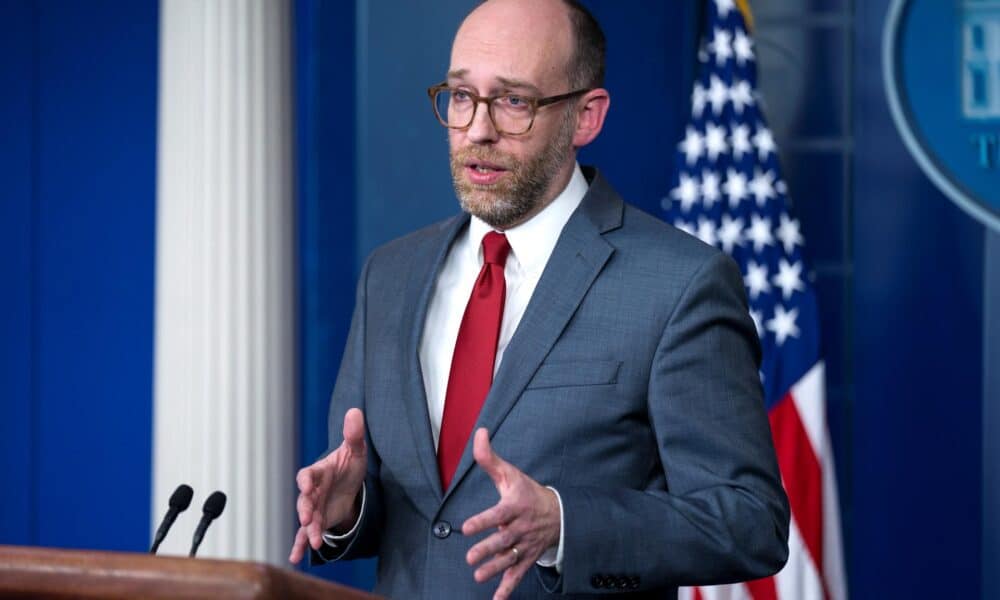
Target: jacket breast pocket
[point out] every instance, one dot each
(575, 373)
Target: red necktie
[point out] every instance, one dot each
(475, 352)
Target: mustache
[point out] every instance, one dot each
(485, 154)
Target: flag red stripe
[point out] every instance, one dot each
(697, 594)
(762, 589)
(801, 474)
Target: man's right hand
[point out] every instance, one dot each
(329, 488)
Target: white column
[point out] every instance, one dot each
(225, 397)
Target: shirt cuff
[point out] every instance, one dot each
(331, 539)
(553, 557)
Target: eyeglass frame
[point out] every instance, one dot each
(535, 104)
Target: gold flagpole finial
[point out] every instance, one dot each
(744, 6)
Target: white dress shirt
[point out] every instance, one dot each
(531, 245)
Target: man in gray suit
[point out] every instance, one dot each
(551, 381)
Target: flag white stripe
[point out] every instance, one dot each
(800, 577)
(833, 555)
(809, 394)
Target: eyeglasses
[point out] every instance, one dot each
(512, 114)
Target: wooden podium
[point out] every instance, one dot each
(27, 572)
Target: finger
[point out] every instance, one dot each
(308, 507)
(315, 531)
(486, 458)
(491, 518)
(304, 505)
(298, 547)
(511, 577)
(497, 543)
(306, 479)
(354, 430)
(498, 564)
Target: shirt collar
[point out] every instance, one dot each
(532, 242)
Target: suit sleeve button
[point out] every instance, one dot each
(597, 581)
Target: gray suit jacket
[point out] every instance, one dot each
(630, 385)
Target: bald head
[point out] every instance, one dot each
(561, 33)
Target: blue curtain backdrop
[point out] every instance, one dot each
(78, 88)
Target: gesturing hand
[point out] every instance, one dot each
(328, 488)
(526, 518)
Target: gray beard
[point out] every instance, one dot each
(504, 206)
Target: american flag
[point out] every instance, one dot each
(728, 191)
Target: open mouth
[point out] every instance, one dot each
(483, 166)
(484, 173)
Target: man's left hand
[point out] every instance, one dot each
(526, 519)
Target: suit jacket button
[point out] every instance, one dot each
(441, 529)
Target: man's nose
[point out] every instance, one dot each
(482, 130)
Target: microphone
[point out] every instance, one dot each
(180, 500)
(210, 511)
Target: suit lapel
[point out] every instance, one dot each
(577, 259)
(426, 264)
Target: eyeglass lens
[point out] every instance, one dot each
(511, 114)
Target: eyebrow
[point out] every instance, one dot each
(506, 82)
(517, 83)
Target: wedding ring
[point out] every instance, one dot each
(515, 553)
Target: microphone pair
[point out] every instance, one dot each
(180, 500)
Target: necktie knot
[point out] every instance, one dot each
(495, 248)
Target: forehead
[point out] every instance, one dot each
(532, 45)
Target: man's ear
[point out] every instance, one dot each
(592, 109)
